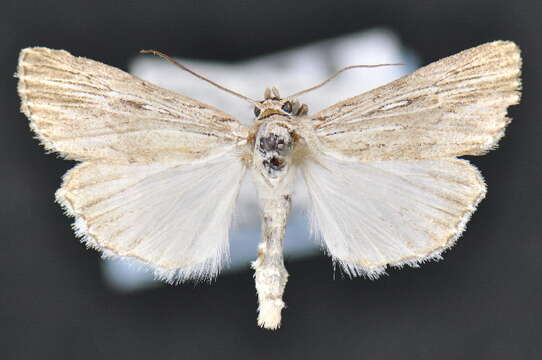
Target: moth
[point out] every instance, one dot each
(159, 172)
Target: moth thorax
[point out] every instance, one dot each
(273, 149)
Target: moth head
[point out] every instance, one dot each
(273, 104)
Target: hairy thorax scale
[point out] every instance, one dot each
(275, 143)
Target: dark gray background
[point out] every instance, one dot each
(481, 302)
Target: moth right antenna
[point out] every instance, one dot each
(337, 74)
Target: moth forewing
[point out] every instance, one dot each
(455, 106)
(86, 110)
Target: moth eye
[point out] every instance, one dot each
(287, 106)
(257, 111)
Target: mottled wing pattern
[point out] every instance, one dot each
(86, 110)
(385, 186)
(455, 106)
(160, 172)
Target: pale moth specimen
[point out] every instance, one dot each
(159, 173)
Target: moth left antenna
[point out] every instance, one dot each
(337, 74)
(171, 60)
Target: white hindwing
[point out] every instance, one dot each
(160, 171)
(174, 217)
(375, 214)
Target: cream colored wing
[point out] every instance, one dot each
(374, 214)
(455, 106)
(173, 217)
(86, 110)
